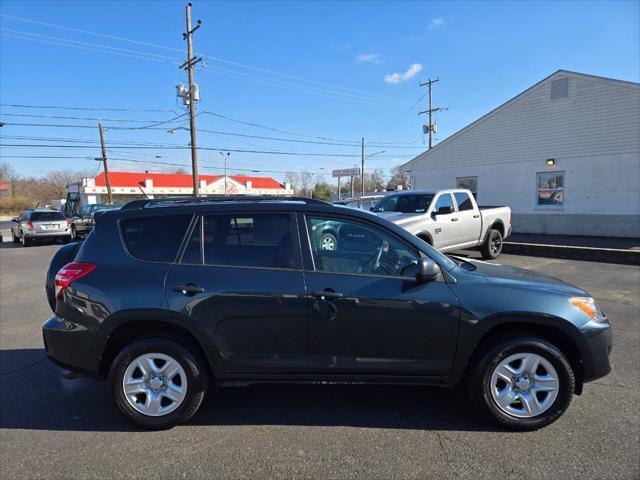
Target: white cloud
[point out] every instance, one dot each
(411, 72)
(436, 23)
(369, 58)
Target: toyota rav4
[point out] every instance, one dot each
(166, 298)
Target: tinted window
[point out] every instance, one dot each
(444, 200)
(47, 216)
(154, 238)
(463, 201)
(243, 241)
(404, 203)
(349, 246)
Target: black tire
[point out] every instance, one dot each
(14, 237)
(480, 381)
(26, 242)
(193, 366)
(74, 233)
(492, 246)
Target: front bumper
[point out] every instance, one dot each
(69, 345)
(598, 345)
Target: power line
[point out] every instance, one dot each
(63, 117)
(180, 147)
(88, 108)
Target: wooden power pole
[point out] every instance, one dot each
(431, 110)
(362, 166)
(192, 97)
(104, 163)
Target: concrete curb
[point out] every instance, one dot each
(591, 254)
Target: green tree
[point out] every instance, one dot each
(322, 190)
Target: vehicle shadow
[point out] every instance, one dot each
(41, 398)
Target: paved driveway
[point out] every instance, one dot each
(52, 427)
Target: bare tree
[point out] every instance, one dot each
(398, 178)
(292, 178)
(306, 182)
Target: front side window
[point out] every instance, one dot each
(262, 240)
(463, 201)
(407, 203)
(444, 200)
(350, 246)
(550, 189)
(154, 239)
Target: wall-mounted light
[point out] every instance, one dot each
(551, 162)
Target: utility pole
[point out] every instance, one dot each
(104, 163)
(362, 166)
(431, 127)
(191, 97)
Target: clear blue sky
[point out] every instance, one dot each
(313, 68)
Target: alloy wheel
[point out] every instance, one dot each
(524, 385)
(496, 243)
(154, 384)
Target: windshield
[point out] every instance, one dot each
(414, 203)
(47, 216)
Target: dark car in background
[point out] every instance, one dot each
(167, 298)
(82, 224)
(40, 224)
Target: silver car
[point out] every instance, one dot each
(40, 224)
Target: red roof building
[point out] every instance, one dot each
(94, 190)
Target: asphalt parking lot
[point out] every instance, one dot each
(53, 427)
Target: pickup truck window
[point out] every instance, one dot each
(417, 203)
(463, 201)
(444, 200)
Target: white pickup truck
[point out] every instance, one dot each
(448, 219)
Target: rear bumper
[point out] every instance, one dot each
(69, 345)
(599, 343)
(46, 235)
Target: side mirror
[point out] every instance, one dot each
(15, 219)
(427, 270)
(446, 210)
(371, 208)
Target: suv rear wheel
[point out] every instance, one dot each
(523, 383)
(157, 383)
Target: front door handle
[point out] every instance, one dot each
(454, 219)
(188, 290)
(326, 294)
(476, 216)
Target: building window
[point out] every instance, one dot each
(550, 189)
(470, 183)
(560, 88)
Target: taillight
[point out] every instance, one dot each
(29, 224)
(70, 273)
(69, 222)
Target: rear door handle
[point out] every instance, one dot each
(188, 290)
(454, 219)
(476, 216)
(326, 294)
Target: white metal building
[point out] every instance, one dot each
(564, 155)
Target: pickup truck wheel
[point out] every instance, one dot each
(328, 241)
(492, 246)
(157, 383)
(523, 383)
(14, 237)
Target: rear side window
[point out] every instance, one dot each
(155, 239)
(47, 216)
(262, 240)
(463, 201)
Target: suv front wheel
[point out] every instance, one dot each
(523, 383)
(157, 383)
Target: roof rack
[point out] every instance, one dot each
(176, 201)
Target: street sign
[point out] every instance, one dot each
(346, 172)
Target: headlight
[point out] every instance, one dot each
(588, 306)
